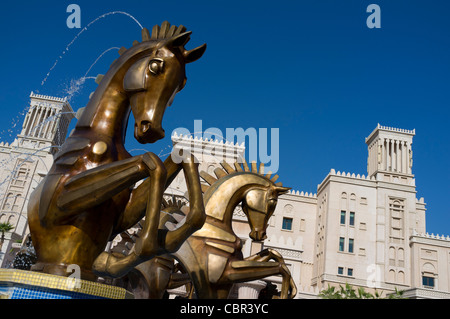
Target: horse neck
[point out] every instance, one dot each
(230, 190)
(107, 111)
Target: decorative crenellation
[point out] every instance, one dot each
(394, 129)
(47, 97)
(352, 175)
(390, 129)
(200, 140)
(304, 194)
(433, 236)
(347, 175)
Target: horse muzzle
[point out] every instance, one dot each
(145, 132)
(258, 235)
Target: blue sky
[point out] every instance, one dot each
(313, 69)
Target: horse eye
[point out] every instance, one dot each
(156, 66)
(273, 202)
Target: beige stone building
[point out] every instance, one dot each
(25, 162)
(365, 230)
(368, 230)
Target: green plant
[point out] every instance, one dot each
(397, 295)
(4, 227)
(348, 292)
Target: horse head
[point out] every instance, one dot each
(153, 80)
(258, 205)
(151, 72)
(257, 193)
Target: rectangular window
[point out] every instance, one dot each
(352, 219)
(350, 245)
(428, 282)
(350, 272)
(287, 223)
(341, 243)
(342, 217)
(340, 270)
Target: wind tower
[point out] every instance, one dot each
(26, 161)
(46, 122)
(390, 154)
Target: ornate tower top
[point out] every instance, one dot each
(390, 152)
(46, 122)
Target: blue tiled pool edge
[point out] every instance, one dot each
(22, 284)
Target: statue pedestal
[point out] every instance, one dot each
(250, 289)
(23, 284)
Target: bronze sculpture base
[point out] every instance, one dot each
(24, 284)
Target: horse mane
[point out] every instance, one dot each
(227, 169)
(166, 31)
(176, 36)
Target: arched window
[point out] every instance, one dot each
(391, 276)
(352, 204)
(391, 256)
(21, 175)
(9, 200)
(396, 208)
(401, 254)
(11, 219)
(17, 203)
(344, 201)
(401, 277)
(288, 209)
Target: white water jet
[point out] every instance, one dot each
(82, 30)
(99, 57)
(75, 86)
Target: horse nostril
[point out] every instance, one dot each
(145, 126)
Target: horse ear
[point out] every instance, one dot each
(179, 40)
(194, 54)
(282, 190)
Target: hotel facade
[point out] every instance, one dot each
(366, 230)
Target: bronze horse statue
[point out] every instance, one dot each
(212, 257)
(152, 279)
(88, 196)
